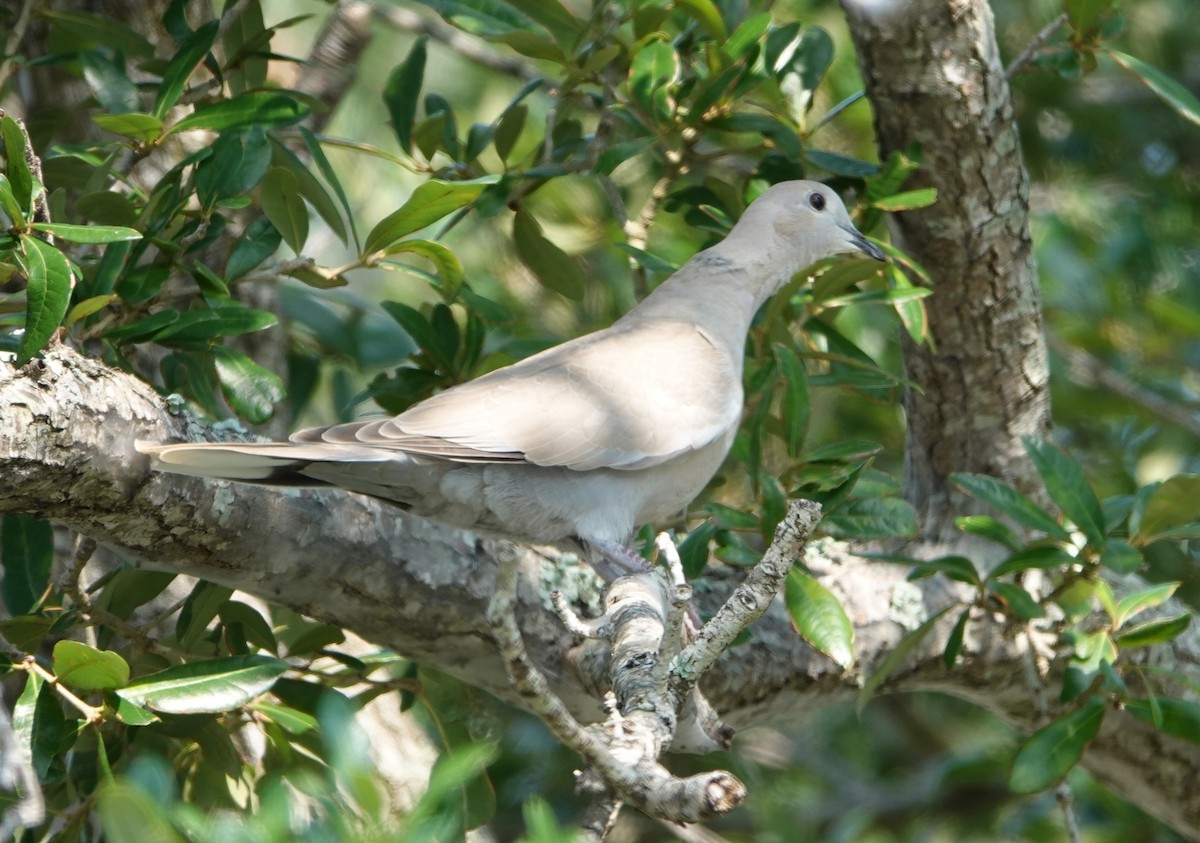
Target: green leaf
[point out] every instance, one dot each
(282, 205)
(794, 408)
(294, 722)
(208, 323)
(179, 70)
(251, 390)
(322, 162)
(20, 178)
(619, 153)
(88, 233)
(1139, 601)
(1158, 631)
(1175, 503)
(238, 162)
(1041, 557)
(508, 130)
(653, 74)
(955, 641)
(706, 13)
(41, 728)
(89, 306)
(1008, 500)
(102, 31)
(909, 200)
(9, 202)
(403, 91)
(958, 568)
(421, 332)
(447, 264)
(1019, 601)
(1068, 487)
(115, 91)
(140, 127)
(143, 328)
(431, 201)
(1051, 752)
(814, 54)
(840, 165)
(131, 715)
(129, 815)
(1171, 92)
(310, 187)
(894, 659)
(1121, 557)
(872, 518)
(694, 550)
(26, 553)
(1083, 15)
(1180, 718)
(48, 292)
(205, 687)
(819, 617)
(259, 108)
(257, 243)
(254, 626)
(989, 528)
(553, 267)
(85, 668)
(554, 16)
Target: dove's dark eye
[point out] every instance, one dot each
(817, 200)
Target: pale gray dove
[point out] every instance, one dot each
(591, 438)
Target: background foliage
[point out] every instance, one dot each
(447, 219)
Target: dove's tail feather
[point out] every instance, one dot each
(267, 463)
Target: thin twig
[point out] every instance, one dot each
(1091, 371)
(1030, 51)
(15, 36)
(465, 45)
(90, 713)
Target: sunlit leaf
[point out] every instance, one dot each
(1051, 752)
(85, 668)
(209, 686)
(48, 292)
(819, 617)
(431, 201)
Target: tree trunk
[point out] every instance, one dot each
(933, 74)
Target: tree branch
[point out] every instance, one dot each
(67, 454)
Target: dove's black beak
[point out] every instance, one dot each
(864, 245)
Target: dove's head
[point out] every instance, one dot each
(808, 215)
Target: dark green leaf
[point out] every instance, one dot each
(41, 727)
(694, 550)
(794, 407)
(294, 722)
(143, 328)
(553, 267)
(9, 202)
(88, 233)
(840, 165)
(958, 568)
(1041, 557)
(48, 292)
(819, 617)
(1068, 487)
(1019, 601)
(85, 668)
(706, 13)
(431, 201)
(508, 130)
(255, 627)
(1009, 501)
(1180, 718)
(872, 518)
(554, 16)
(107, 79)
(1051, 752)
(310, 187)
(421, 332)
(1158, 631)
(282, 205)
(403, 91)
(812, 58)
(955, 641)
(20, 179)
(251, 390)
(619, 153)
(205, 687)
(1121, 557)
(208, 323)
(102, 31)
(322, 162)
(238, 162)
(258, 243)
(198, 611)
(894, 659)
(26, 553)
(107, 208)
(179, 70)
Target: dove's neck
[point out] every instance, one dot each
(721, 288)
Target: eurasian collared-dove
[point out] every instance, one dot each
(588, 439)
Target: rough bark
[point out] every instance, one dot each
(933, 74)
(67, 453)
